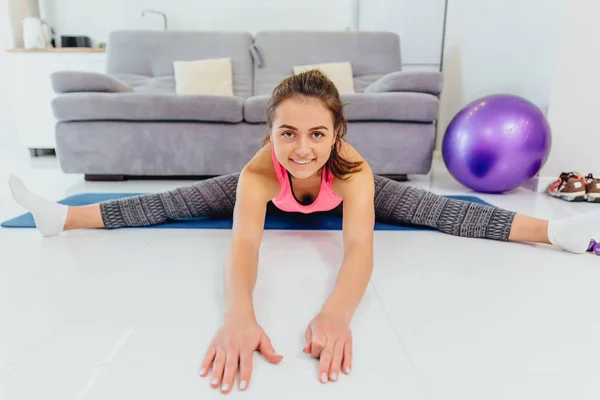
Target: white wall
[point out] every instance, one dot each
(574, 112)
(68, 16)
(505, 46)
(5, 43)
(419, 23)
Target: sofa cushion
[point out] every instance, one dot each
(147, 107)
(151, 54)
(409, 81)
(255, 109)
(86, 81)
(372, 54)
(210, 77)
(149, 84)
(405, 107)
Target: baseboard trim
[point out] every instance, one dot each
(539, 183)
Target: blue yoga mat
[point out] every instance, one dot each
(282, 222)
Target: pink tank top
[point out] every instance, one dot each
(285, 200)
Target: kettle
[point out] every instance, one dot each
(37, 34)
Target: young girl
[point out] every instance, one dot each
(304, 166)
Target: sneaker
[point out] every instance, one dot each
(570, 186)
(592, 189)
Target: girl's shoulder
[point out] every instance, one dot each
(261, 172)
(262, 162)
(348, 152)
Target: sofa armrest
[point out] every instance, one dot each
(80, 81)
(408, 81)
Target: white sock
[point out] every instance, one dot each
(49, 216)
(573, 234)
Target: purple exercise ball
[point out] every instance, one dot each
(496, 143)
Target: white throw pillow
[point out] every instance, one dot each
(204, 77)
(340, 73)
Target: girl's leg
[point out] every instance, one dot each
(84, 217)
(214, 197)
(529, 229)
(400, 203)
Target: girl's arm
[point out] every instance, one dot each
(252, 196)
(358, 194)
(328, 336)
(233, 345)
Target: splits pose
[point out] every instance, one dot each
(304, 166)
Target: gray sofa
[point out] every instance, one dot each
(131, 122)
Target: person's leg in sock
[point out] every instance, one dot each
(214, 197)
(49, 216)
(401, 203)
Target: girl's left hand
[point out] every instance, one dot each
(329, 339)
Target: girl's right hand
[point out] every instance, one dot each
(236, 342)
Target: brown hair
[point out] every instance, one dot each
(315, 84)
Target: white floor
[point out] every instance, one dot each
(128, 314)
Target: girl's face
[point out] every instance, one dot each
(302, 136)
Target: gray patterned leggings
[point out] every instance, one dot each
(395, 203)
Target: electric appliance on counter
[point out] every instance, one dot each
(37, 34)
(75, 41)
